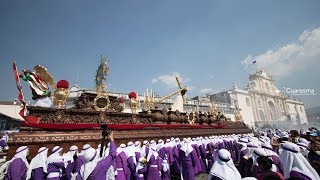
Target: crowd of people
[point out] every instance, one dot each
(263, 155)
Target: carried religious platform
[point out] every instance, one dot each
(91, 115)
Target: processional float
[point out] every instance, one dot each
(49, 122)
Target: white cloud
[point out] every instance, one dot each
(170, 80)
(206, 91)
(154, 80)
(211, 76)
(289, 58)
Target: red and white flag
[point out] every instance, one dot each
(23, 111)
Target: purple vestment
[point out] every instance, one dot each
(123, 173)
(153, 168)
(300, 176)
(16, 170)
(187, 165)
(38, 174)
(55, 167)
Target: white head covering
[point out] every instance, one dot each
(91, 163)
(160, 144)
(186, 147)
(256, 153)
(122, 148)
(55, 156)
(269, 149)
(130, 152)
(152, 151)
(69, 155)
(251, 147)
(137, 145)
(224, 168)
(143, 148)
(39, 161)
(84, 148)
(293, 160)
(304, 149)
(303, 140)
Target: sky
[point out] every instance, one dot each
(209, 44)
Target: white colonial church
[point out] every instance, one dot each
(263, 103)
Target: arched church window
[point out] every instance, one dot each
(300, 109)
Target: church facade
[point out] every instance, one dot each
(262, 103)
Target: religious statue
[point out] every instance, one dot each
(38, 81)
(213, 110)
(61, 94)
(238, 116)
(101, 101)
(134, 102)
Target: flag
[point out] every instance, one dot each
(23, 111)
(19, 87)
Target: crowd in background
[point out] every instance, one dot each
(263, 155)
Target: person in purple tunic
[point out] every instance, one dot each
(139, 169)
(265, 168)
(295, 164)
(223, 168)
(3, 142)
(80, 160)
(55, 164)
(252, 164)
(122, 170)
(38, 166)
(69, 160)
(137, 150)
(175, 154)
(131, 159)
(153, 165)
(275, 157)
(95, 168)
(145, 148)
(165, 170)
(187, 160)
(18, 165)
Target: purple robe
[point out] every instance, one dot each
(153, 169)
(169, 155)
(187, 165)
(3, 143)
(17, 170)
(38, 174)
(203, 156)
(165, 175)
(100, 171)
(198, 165)
(78, 163)
(69, 169)
(175, 166)
(277, 161)
(295, 174)
(122, 167)
(138, 156)
(55, 167)
(132, 167)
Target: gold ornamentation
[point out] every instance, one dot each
(44, 75)
(60, 96)
(101, 101)
(238, 116)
